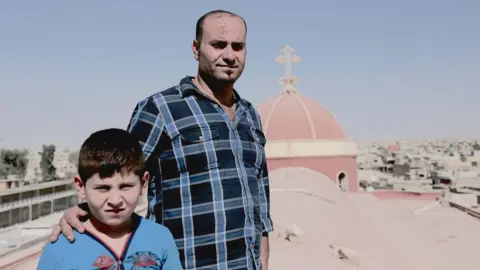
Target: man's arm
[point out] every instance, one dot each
(264, 191)
(267, 224)
(265, 251)
(147, 125)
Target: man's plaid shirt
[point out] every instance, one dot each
(209, 178)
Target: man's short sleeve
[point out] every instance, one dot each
(264, 188)
(147, 125)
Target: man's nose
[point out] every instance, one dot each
(229, 55)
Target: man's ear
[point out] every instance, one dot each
(196, 49)
(80, 187)
(144, 182)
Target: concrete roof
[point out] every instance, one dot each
(386, 234)
(13, 237)
(327, 217)
(430, 235)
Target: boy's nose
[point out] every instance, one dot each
(115, 201)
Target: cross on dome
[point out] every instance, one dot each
(288, 80)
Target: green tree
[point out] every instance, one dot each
(476, 146)
(73, 158)
(3, 166)
(13, 162)
(49, 171)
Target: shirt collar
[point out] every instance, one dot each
(186, 88)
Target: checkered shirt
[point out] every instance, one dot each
(209, 180)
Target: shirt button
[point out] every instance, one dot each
(215, 105)
(201, 137)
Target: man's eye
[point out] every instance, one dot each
(237, 47)
(219, 45)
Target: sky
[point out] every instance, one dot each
(387, 70)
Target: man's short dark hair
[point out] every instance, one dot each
(200, 22)
(109, 151)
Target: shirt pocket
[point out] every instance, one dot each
(257, 148)
(198, 147)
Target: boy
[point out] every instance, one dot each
(111, 179)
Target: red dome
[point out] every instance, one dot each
(292, 116)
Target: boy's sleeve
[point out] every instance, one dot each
(173, 259)
(49, 260)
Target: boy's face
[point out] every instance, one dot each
(112, 200)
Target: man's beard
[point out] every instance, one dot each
(217, 83)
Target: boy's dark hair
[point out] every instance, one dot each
(201, 20)
(109, 151)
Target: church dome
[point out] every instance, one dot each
(293, 116)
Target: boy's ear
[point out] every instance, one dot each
(144, 182)
(80, 187)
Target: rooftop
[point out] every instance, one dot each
(35, 187)
(384, 234)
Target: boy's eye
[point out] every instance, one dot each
(102, 188)
(125, 187)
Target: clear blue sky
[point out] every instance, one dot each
(386, 69)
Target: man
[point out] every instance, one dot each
(204, 148)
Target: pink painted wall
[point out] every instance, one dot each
(405, 195)
(329, 166)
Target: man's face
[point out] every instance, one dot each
(112, 200)
(221, 52)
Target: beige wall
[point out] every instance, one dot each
(311, 148)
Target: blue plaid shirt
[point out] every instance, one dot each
(209, 178)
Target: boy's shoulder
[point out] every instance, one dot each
(153, 227)
(62, 243)
(54, 254)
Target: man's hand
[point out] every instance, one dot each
(69, 221)
(265, 251)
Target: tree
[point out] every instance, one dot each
(13, 162)
(73, 158)
(49, 172)
(476, 146)
(3, 166)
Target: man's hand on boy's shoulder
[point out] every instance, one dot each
(69, 221)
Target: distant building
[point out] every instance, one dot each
(12, 181)
(18, 205)
(400, 170)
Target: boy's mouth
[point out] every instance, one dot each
(115, 211)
